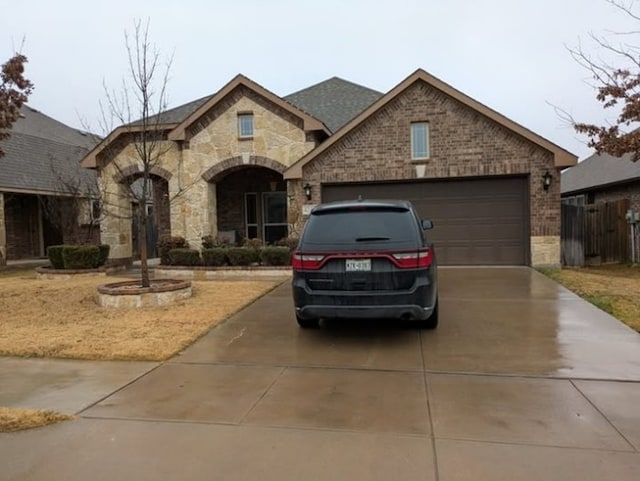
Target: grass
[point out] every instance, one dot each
(20, 419)
(612, 288)
(49, 318)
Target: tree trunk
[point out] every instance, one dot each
(142, 245)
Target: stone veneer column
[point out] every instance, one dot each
(545, 251)
(190, 216)
(115, 229)
(3, 233)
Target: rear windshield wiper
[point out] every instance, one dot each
(366, 239)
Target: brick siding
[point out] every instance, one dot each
(463, 143)
(629, 191)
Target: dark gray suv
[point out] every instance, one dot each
(365, 260)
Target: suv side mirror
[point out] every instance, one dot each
(427, 224)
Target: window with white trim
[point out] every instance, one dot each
(245, 125)
(419, 140)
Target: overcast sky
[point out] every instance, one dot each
(510, 55)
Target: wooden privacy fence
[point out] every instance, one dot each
(595, 233)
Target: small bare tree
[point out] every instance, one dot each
(617, 86)
(138, 106)
(71, 209)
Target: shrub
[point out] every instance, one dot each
(255, 244)
(54, 253)
(104, 254)
(276, 256)
(209, 242)
(290, 242)
(166, 243)
(80, 257)
(184, 257)
(242, 256)
(215, 256)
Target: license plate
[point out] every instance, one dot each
(358, 265)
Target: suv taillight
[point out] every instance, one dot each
(308, 262)
(411, 260)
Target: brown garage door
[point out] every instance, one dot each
(477, 222)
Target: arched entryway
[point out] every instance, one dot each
(251, 203)
(157, 206)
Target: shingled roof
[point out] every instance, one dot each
(177, 114)
(599, 170)
(334, 101)
(43, 156)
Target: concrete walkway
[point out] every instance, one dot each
(522, 381)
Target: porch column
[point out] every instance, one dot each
(211, 227)
(3, 233)
(115, 228)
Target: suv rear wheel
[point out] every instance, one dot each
(307, 323)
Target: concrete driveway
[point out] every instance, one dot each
(522, 381)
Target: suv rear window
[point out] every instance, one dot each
(361, 225)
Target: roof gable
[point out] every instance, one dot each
(562, 157)
(599, 170)
(309, 123)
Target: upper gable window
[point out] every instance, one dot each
(419, 140)
(245, 125)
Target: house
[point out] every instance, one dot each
(246, 163)
(602, 178)
(40, 183)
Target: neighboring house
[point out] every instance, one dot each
(608, 230)
(40, 180)
(602, 178)
(248, 163)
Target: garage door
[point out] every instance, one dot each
(477, 222)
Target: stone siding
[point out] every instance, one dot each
(545, 250)
(212, 147)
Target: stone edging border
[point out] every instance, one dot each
(167, 285)
(51, 270)
(222, 268)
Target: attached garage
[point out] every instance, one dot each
(477, 221)
(490, 185)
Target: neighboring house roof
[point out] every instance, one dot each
(35, 123)
(562, 157)
(43, 156)
(334, 101)
(599, 170)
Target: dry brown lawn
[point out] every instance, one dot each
(52, 318)
(613, 288)
(19, 419)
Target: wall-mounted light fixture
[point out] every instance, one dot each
(546, 180)
(307, 190)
